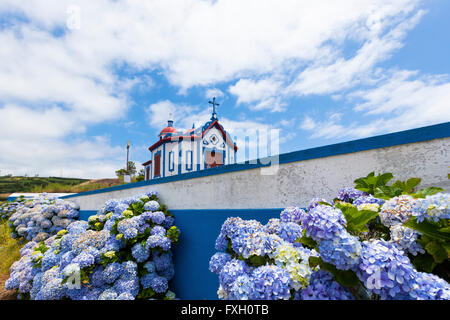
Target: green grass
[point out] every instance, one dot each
(9, 248)
(10, 184)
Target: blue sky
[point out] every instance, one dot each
(78, 79)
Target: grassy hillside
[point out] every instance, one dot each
(9, 184)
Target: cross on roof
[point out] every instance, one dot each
(214, 104)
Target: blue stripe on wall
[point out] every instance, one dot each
(387, 140)
(85, 214)
(199, 231)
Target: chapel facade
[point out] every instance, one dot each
(196, 149)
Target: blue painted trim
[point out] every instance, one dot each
(437, 131)
(171, 161)
(164, 160)
(189, 152)
(199, 156)
(180, 153)
(85, 214)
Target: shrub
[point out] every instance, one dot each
(378, 242)
(122, 253)
(39, 218)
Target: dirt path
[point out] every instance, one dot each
(6, 294)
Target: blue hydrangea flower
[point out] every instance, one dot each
(50, 259)
(84, 260)
(290, 231)
(158, 230)
(217, 261)
(291, 214)
(146, 280)
(230, 271)
(52, 290)
(432, 208)
(406, 239)
(243, 288)
(151, 205)
(272, 226)
(348, 194)
(157, 217)
(271, 283)
(322, 286)
(162, 261)
(158, 241)
(125, 296)
(342, 252)
(77, 227)
(112, 272)
(324, 223)
(159, 284)
(108, 294)
(368, 199)
(168, 222)
(140, 252)
(384, 269)
(167, 273)
(150, 266)
(315, 202)
(429, 287)
(397, 210)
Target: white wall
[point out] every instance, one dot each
(295, 183)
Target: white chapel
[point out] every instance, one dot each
(196, 149)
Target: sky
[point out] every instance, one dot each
(80, 78)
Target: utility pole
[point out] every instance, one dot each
(126, 177)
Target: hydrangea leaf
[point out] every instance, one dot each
(307, 241)
(423, 262)
(437, 251)
(427, 228)
(427, 192)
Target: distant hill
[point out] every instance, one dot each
(10, 184)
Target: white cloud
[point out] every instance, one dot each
(261, 94)
(213, 92)
(308, 123)
(324, 77)
(55, 86)
(402, 100)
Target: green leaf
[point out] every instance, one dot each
(307, 241)
(423, 262)
(446, 229)
(256, 261)
(384, 178)
(437, 251)
(427, 192)
(346, 278)
(314, 261)
(356, 219)
(427, 228)
(411, 183)
(361, 219)
(446, 246)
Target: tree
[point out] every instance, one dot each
(141, 175)
(131, 170)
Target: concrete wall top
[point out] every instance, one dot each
(300, 176)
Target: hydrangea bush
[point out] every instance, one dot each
(374, 242)
(39, 218)
(9, 207)
(122, 253)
